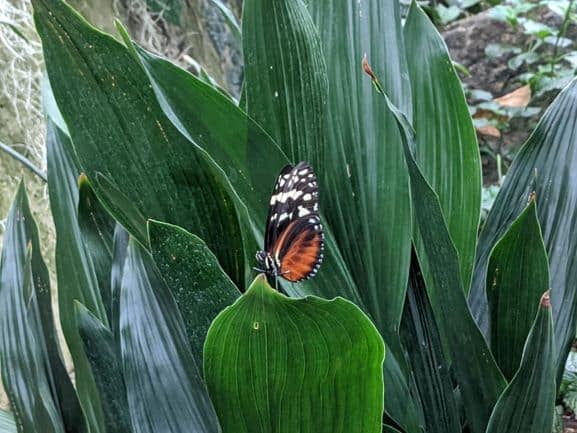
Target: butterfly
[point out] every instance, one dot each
(294, 238)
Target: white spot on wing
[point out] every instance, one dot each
(303, 211)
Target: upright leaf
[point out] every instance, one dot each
(248, 156)
(446, 143)
(546, 165)
(517, 276)
(479, 378)
(421, 338)
(23, 362)
(97, 229)
(74, 269)
(276, 364)
(97, 82)
(164, 387)
(107, 369)
(200, 287)
(527, 404)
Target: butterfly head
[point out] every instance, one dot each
(268, 263)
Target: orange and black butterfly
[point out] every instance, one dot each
(294, 239)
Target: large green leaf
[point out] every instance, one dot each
(23, 357)
(97, 82)
(421, 339)
(200, 287)
(247, 155)
(164, 387)
(446, 142)
(275, 364)
(120, 249)
(517, 276)
(546, 165)
(527, 404)
(74, 269)
(101, 351)
(97, 229)
(475, 370)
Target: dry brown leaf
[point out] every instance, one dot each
(489, 130)
(519, 98)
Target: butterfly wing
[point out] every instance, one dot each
(300, 248)
(294, 196)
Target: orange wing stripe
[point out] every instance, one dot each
(302, 257)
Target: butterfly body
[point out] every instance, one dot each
(294, 236)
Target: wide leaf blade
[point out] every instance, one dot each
(104, 359)
(308, 365)
(446, 142)
(74, 269)
(545, 165)
(517, 276)
(476, 372)
(527, 404)
(198, 284)
(421, 338)
(164, 388)
(22, 352)
(97, 82)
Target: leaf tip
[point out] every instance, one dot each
(546, 299)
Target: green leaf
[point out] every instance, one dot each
(97, 82)
(309, 365)
(74, 269)
(545, 165)
(517, 276)
(198, 284)
(120, 249)
(104, 359)
(527, 404)
(23, 354)
(421, 338)
(478, 376)
(249, 158)
(7, 423)
(164, 388)
(446, 143)
(97, 230)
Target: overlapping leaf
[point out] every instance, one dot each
(200, 287)
(517, 276)
(164, 387)
(446, 144)
(546, 165)
(277, 364)
(527, 404)
(74, 269)
(97, 82)
(23, 358)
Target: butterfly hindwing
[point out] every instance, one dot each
(295, 196)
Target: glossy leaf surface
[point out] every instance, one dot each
(309, 365)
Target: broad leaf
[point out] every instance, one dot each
(7, 423)
(277, 364)
(527, 404)
(164, 388)
(517, 276)
(23, 357)
(249, 158)
(476, 372)
(421, 339)
(97, 229)
(546, 165)
(200, 287)
(120, 249)
(446, 143)
(74, 269)
(101, 351)
(97, 82)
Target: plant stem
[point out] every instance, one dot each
(24, 161)
(561, 33)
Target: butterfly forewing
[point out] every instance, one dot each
(295, 195)
(294, 235)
